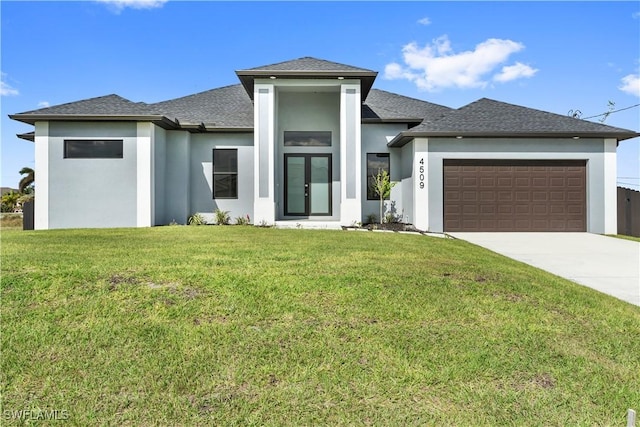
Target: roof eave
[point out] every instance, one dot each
(408, 120)
(159, 120)
(213, 128)
(29, 136)
(404, 137)
(366, 77)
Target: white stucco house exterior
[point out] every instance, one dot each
(296, 143)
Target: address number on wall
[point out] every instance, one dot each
(421, 173)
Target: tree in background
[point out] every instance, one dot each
(10, 201)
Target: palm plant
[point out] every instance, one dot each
(9, 201)
(27, 181)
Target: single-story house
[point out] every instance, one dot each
(297, 143)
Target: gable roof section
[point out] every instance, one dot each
(103, 105)
(307, 68)
(225, 108)
(490, 118)
(383, 106)
(310, 64)
(109, 107)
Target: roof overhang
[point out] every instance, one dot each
(29, 136)
(405, 137)
(31, 119)
(366, 77)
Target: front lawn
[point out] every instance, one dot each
(251, 326)
(622, 236)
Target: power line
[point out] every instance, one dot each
(610, 112)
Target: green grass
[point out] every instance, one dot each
(622, 236)
(250, 326)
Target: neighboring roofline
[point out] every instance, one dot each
(404, 137)
(366, 77)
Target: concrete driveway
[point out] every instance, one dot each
(606, 264)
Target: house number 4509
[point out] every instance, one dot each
(421, 173)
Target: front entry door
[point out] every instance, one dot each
(307, 188)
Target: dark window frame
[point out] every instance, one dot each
(303, 138)
(228, 173)
(371, 194)
(118, 151)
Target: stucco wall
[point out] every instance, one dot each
(160, 170)
(305, 111)
(177, 194)
(374, 140)
(591, 150)
(92, 192)
(201, 174)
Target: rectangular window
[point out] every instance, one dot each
(225, 173)
(93, 149)
(375, 163)
(307, 139)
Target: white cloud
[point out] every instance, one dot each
(631, 84)
(436, 66)
(635, 15)
(513, 72)
(424, 21)
(43, 104)
(119, 5)
(5, 88)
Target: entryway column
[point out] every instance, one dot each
(41, 207)
(610, 220)
(350, 154)
(145, 174)
(264, 210)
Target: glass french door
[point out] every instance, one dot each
(307, 188)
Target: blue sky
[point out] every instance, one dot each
(553, 56)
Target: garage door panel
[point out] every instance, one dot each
(540, 210)
(503, 181)
(505, 209)
(487, 196)
(540, 196)
(513, 195)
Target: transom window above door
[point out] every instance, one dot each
(307, 138)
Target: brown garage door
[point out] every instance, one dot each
(514, 195)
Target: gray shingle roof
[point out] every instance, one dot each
(231, 108)
(487, 115)
(311, 65)
(102, 105)
(387, 106)
(225, 107)
(307, 68)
